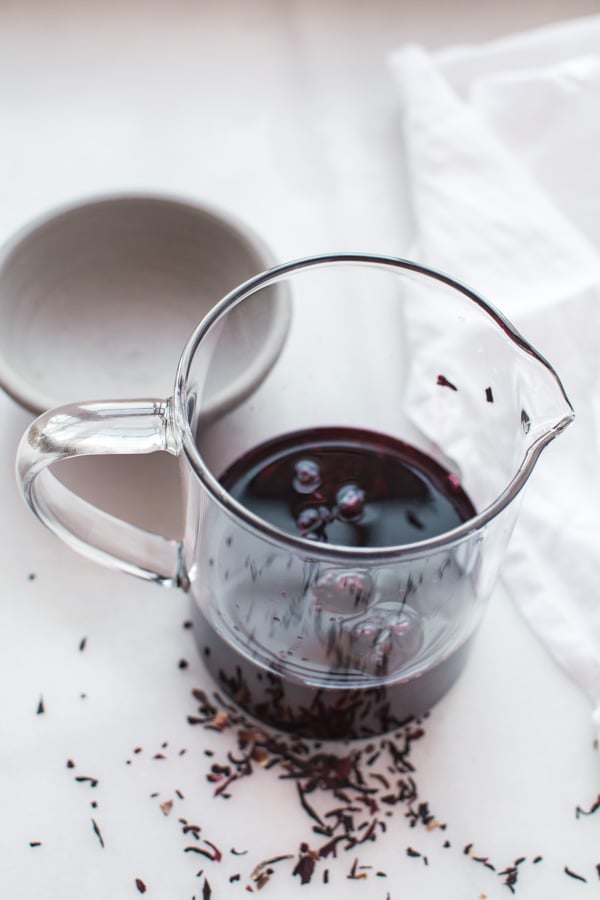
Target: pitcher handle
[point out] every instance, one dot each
(108, 427)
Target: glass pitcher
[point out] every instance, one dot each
(340, 601)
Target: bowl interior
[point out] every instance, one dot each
(97, 301)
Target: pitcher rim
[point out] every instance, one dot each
(339, 552)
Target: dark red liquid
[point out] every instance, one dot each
(326, 649)
(359, 489)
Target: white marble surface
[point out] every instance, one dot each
(284, 114)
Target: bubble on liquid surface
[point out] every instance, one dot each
(347, 591)
(378, 646)
(350, 502)
(307, 476)
(308, 520)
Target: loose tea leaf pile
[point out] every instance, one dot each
(348, 793)
(348, 797)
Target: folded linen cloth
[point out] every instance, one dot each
(502, 143)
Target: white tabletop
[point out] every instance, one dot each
(285, 115)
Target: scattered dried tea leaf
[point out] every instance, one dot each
(82, 779)
(579, 811)
(443, 382)
(573, 874)
(97, 832)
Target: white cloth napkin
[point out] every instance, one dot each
(503, 146)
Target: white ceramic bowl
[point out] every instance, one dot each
(98, 299)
